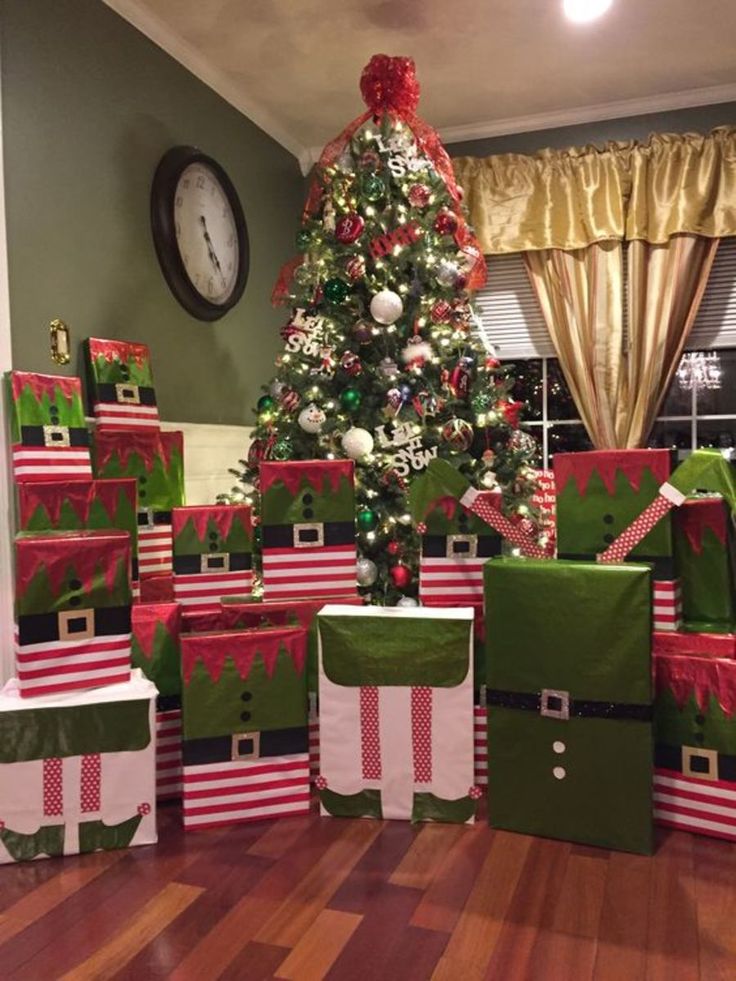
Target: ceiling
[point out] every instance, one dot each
(486, 67)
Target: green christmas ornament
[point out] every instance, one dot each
(282, 449)
(336, 290)
(266, 403)
(367, 519)
(372, 187)
(303, 239)
(483, 401)
(350, 399)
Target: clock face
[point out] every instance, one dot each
(206, 234)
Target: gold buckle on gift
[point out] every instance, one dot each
(554, 704)
(215, 562)
(147, 514)
(692, 753)
(313, 541)
(76, 624)
(236, 750)
(56, 436)
(127, 393)
(471, 541)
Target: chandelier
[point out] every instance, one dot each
(698, 371)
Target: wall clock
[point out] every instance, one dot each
(199, 232)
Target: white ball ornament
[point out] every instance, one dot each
(407, 601)
(386, 307)
(447, 272)
(276, 388)
(357, 443)
(366, 572)
(311, 418)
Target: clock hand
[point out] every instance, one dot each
(211, 251)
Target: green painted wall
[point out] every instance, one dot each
(89, 107)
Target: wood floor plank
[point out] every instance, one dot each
(443, 902)
(152, 919)
(624, 922)
(672, 938)
(255, 962)
(370, 874)
(320, 946)
(421, 863)
(279, 838)
(715, 891)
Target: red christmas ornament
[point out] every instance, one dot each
(390, 83)
(400, 575)
(349, 228)
(491, 364)
(421, 528)
(510, 411)
(290, 399)
(459, 380)
(441, 312)
(419, 195)
(350, 363)
(370, 160)
(445, 223)
(355, 267)
(393, 548)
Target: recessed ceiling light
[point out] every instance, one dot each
(582, 11)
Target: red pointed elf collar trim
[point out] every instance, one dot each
(222, 515)
(701, 677)
(242, 648)
(318, 473)
(580, 467)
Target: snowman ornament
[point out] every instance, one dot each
(311, 419)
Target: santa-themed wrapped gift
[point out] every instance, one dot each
(705, 553)
(77, 505)
(570, 701)
(72, 605)
(156, 461)
(396, 713)
(120, 385)
(213, 559)
(695, 744)
(244, 713)
(308, 528)
(48, 432)
(77, 770)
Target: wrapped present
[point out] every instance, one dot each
(168, 748)
(77, 505)
(156, 631)
(77, 771)
(120, 385)
(213, 559)
(158, 588)
(72, 605)
(396, 713)
(308, 528)
(244, 717)
(156, 461)
(48, 432)
(705, 552)
(569, 701)
(695, 744)
(700, 645)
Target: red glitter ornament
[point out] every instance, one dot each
(419, 195)
(445, 223)
(440, 312)
(349, 228)
(355, 267)
(390, 84)
(350, 363)
(393, 548)
(370, 160)
(491, 364)
(400, 575)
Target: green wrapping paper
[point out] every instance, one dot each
(705, 551)
(570, 636)
(156, 630)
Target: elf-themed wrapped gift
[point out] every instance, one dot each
(77, 771)
(570, 701)
(48, 432)
(396, 713)
(120, 385)
(695, 744)
(699, 645)
(158, 588)
(156, 461)
(705, 551)
(72, 606)
(76, 505)
(168, 747)
(213, 559)
(156, 630)
(244, 714)
(308, 528)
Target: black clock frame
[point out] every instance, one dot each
(163, 226)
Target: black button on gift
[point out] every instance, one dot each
(700, 720)
(608, 519)
(307, 499)
(245, 716)
(308, 513)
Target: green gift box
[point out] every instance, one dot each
(570, 701)
(120, 384)
(156, 629)
(705, 552)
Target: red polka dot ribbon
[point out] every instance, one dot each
(500, 523)
(91, 782)
(639, 527)
(421, 733)
(370, 741)
(53, 798)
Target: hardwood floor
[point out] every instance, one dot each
(309, 898)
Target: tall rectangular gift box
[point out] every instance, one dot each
(156, 639)
(120, 385)
(244, 713)
(308, 528)
(706, 551)
(155, 460)
(570, 701)
(48, 433)
(72, 605)
(212, 546)
(77, 771)
(599, 494)
(396, 713)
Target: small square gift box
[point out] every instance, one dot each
(155, 460)
(705, 550)
(48, 433)
(72, 605)
(245, 738)
(212, 554)
(396, 713)
(570, 701)
(77, 771)
(120, 385)
(308, 529)
(81, 505)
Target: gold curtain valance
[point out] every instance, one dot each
(568, 199)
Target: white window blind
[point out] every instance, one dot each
(715, 324)
(511, 322)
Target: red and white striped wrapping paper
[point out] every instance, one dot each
(706, 807)
(216, 794)
(667, 606)
(125, 415)
(205, 591)
(168, 755)
(71, 665)
(32, 463)
(154, 549)
(456, 580)
(480, 744)
(301, 573)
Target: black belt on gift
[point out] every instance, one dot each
(37, 435)
(696, 761)
(195, 565)
(168, 703)
(245, 746)
(310, 534)
(460, 546)
(109, 393)
(148, 518)
(663, 565)
(44, 628)
(555, 704)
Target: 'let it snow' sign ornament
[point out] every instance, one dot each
(411, 454)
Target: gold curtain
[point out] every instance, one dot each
(567, 199)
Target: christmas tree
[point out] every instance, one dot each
(380, 362)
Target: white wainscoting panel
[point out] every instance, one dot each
(209, 452)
